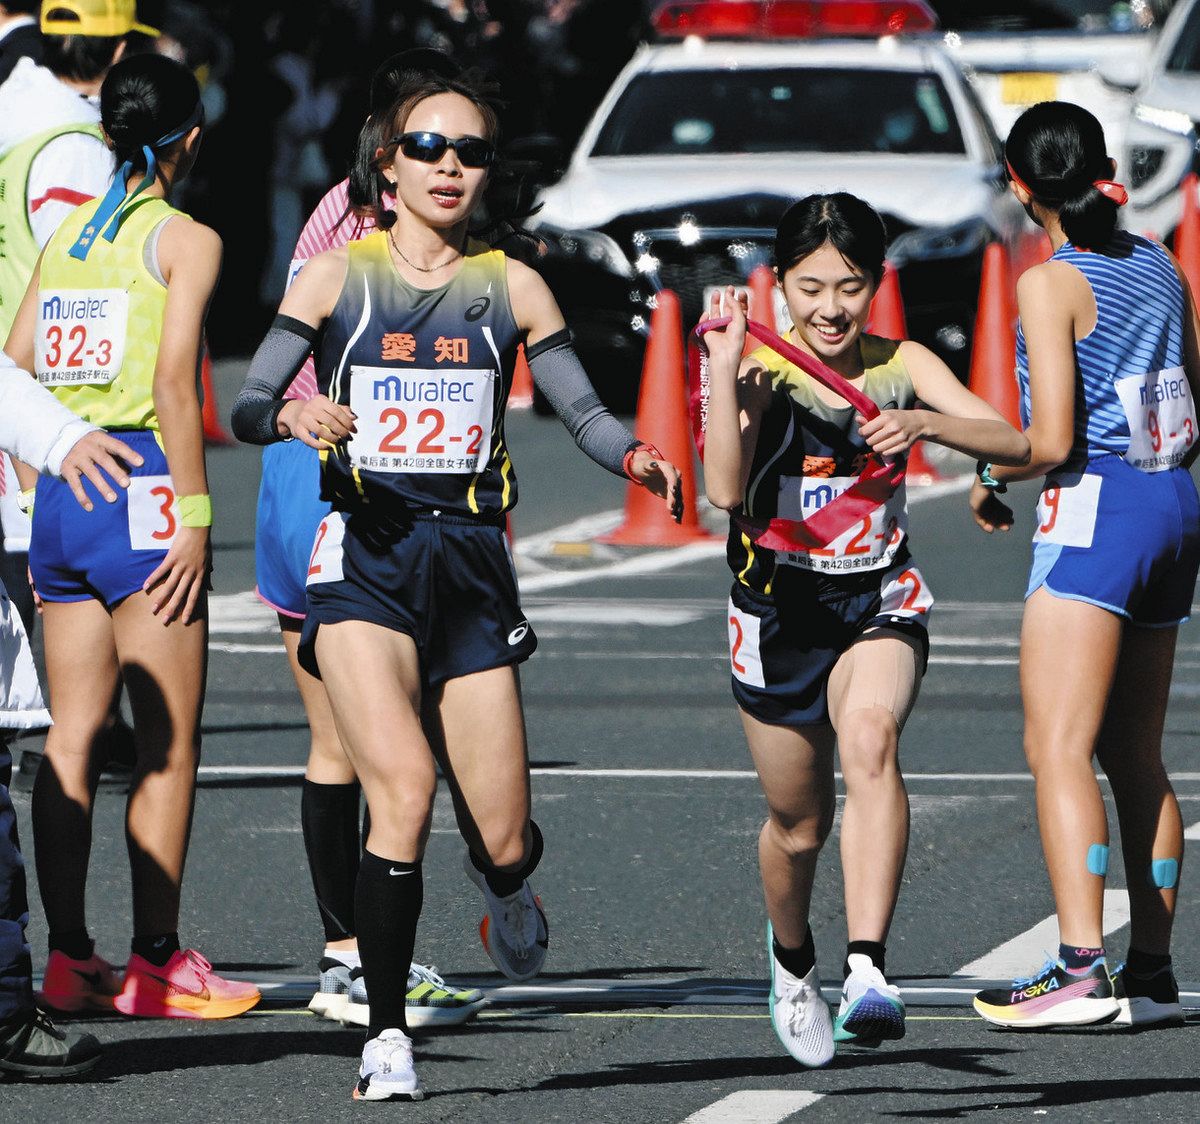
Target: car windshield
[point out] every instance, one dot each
(781, 110)
(1185, 55)
(1049, 15)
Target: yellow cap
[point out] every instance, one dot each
(95, 18)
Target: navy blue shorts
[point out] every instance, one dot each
(445, 580)
(783, 645)
(109, 552)
(290, 509)
(1125, 540)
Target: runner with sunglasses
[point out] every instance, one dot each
(413, 616)
(112, 323)
(1109, 368)
(828, 634)
(290, 509)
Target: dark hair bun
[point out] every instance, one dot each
(144, 98)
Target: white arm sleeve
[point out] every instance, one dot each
(35, 427)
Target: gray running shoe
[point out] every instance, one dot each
(333, 990)
(514, 929)
(31, 1046)
(430, 1001)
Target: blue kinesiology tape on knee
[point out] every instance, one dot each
(1097, 859)
(1164, 873)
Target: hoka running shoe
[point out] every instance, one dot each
(387, 1072)
(871, 1009)
(333, 990)
(79, 985)
(430, 1001)
(185, 988)
(799, 1014)
(1147, 1000)
(514, 929)
(1056, 996)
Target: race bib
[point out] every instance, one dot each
(1066, 510)
(869, 545)
(153, 512)
(80, 337)
(745, 658)
(905, 594)
(325, 562)
(1162, 418)
(421, 420)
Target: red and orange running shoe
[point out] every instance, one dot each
(185, 988)
(79, 985)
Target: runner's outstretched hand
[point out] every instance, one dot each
(725, 345)
(661, 477)
(98, 455)
(991, 513)
(177, 584)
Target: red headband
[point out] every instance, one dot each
(1110, 189)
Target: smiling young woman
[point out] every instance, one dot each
(829, 640)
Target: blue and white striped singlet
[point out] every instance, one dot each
(1140, 310)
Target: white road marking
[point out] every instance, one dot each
(245, 649)
(1023, 954)
(1192, 832)
(755, 1106)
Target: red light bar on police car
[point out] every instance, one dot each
(791, 19)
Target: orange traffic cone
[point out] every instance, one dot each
(520, 397)
(762, 302)
(1187, 234)
(662, 421)
(214, 432)
(994, 351)
(886, 317)
(920, 468)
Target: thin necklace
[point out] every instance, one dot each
(413, 264)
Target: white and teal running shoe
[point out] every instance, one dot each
(799, 1013)
(871, 1010)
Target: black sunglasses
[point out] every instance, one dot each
(473, 152)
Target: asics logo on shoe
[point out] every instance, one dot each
(396, 873)
(518, 633)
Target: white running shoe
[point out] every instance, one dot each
(799, 1013)
(430, 1001)
(333, 990)
(387, 1072)
(871, 1009)
(514, 929)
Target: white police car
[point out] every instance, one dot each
(680, 178)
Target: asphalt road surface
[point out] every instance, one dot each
(652, 1006)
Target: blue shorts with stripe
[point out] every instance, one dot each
(290, 510)
(109, 552)
(1125, 540)
(445, 580)
(784, 645)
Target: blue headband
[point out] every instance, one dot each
(117, 202)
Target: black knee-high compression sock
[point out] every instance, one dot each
(387, 904)
(329, 820)
(502, 883)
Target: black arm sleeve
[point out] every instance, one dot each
(561, 378)
(276, 362)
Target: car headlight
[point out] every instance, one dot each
(1172, 120)
(1145, 162)
(592, 246)
(931, 243)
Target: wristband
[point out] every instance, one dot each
(25, 500)
(983, 470)
(627, 463)
(195, 511)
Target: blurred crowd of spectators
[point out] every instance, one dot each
(286, 90)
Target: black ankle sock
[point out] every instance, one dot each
(158, 948)
(329, 821)
(74, 943)
(874, 949)
(502, 883)
(799, 961)
(1074, 956)
(1146, 963)
(387, 904)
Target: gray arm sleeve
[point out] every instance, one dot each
(276, 362)
(561, 378)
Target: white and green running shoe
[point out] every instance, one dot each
(430, 1001)
(871, 1010)
(799, 1013)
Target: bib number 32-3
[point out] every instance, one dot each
(80, 337)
